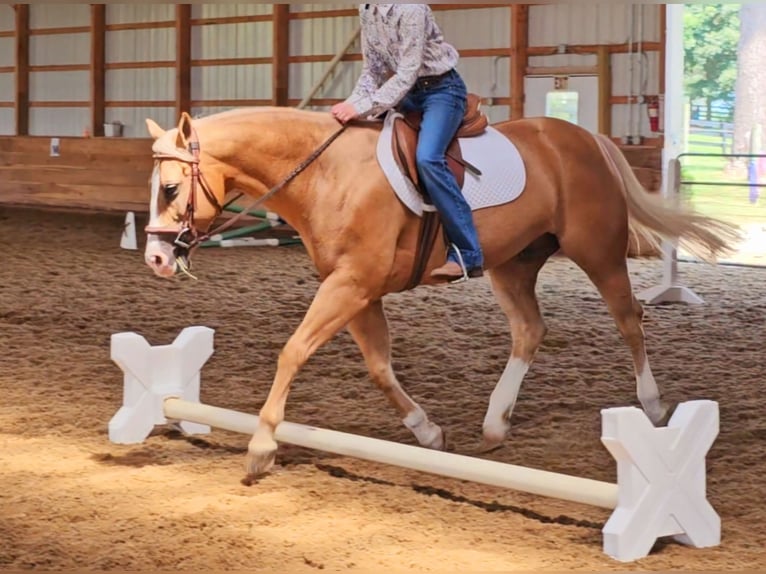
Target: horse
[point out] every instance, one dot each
(581, 200)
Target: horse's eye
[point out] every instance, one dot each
(170, 191)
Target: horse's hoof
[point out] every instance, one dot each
(494, 435)
(489, 445)
(260, 458)
(662, 418)
(440, 442)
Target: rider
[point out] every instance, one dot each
(407, 64)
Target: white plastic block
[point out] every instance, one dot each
(129, 239)
(661, 479)
(152, 374)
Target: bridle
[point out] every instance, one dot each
(189, 237)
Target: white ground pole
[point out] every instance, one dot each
(669, 290)
(660, 489)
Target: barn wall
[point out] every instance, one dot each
(7, 114)
(226, 80)
(231, 60)
(140, 66)
(59, 97)
(231, 65)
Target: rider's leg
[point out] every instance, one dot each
(443, 109)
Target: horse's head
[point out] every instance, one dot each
(185, 197)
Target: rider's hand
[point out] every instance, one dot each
(343, 112)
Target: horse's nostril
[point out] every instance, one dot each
(157, 260)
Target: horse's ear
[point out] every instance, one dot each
(184, 131)
(154, 129)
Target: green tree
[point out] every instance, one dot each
(711, 38)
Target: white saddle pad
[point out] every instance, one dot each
(502, 178)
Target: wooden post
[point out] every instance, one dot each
(280, 55)
(183, 59)
(604, 90)
(97, 68)
(22, 69)
(663, 42)
(519, 57)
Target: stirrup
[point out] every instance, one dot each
(462, 265)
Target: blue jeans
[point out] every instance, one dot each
(443, 106)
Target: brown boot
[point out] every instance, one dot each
(451, 271)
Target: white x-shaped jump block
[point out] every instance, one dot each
(661, 479)
(660, 488)
(152, 374)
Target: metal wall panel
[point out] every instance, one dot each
(7, 87)
(231, 82)
(141, 45)
(240, 40)
(150, 84)
(58, 15)
(303, 76)
(575, 23)
(321, 36)
(7, 18)
(563, 60)
(7, 46)
(7, 122)
(621, 117)
(59, 86)
(59, 49)
(231, 41)
(49, 86)
(134, 119)
(229, 10)
(646, 70)
(476, 28)
(137, 12)
(58, 121)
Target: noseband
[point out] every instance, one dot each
(189, 237)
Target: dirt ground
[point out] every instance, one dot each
(71, 499)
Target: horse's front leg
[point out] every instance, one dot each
(337, 300)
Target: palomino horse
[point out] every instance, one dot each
(581, 197)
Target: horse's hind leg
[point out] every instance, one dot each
(369, 329)
(609, 273)
(513, 284)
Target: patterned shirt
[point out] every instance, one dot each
(400, 43)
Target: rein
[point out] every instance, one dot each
(189, 237)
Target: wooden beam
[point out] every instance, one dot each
(561, 70)
(663, 44)
(97, 68)
(183, 59)
(22, 69)
(604, 91)
(582, 49)
(280, 54)
(519, 57)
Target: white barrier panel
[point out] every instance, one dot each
(128, 240)
(661, 478)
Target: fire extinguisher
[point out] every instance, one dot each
(653, 111)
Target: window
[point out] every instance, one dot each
(562, 104)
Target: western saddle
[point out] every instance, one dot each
(404, 142)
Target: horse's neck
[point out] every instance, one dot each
(259, 155)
